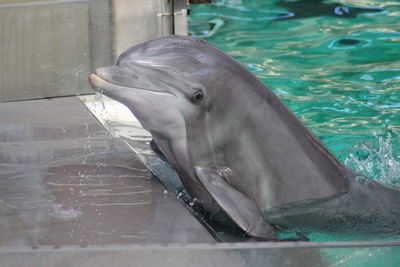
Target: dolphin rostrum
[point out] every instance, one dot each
(235, 144)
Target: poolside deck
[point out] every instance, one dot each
(65, 180)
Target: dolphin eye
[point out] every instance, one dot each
(197, 97)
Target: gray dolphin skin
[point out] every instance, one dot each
(237, 147)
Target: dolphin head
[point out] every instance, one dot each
(161, 95)
(165, 83)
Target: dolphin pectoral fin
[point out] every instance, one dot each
(239, 207)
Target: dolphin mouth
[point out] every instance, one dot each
(97, 82)
(102, 80)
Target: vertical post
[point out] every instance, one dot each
(100, 34)
(180, 17)
(137, 21)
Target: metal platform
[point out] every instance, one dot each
(66, 181)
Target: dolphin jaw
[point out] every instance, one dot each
(99, 83)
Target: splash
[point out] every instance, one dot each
(376, 159)
(99, 98)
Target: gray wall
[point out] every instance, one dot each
(48, 48)
(138, 20)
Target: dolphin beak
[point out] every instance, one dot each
(115, 77)
(95, 81)
(114, 73)
(111, 79)
(106, 75)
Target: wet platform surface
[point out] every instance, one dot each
(66, 181)
(74, 191)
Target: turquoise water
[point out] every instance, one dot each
(336, 65)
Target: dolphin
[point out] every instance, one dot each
(236, 146)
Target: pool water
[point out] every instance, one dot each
(335, 64)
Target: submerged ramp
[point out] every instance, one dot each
(66, 181)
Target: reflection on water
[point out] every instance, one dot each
(313, 8)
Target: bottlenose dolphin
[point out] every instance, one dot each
(235, 144)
